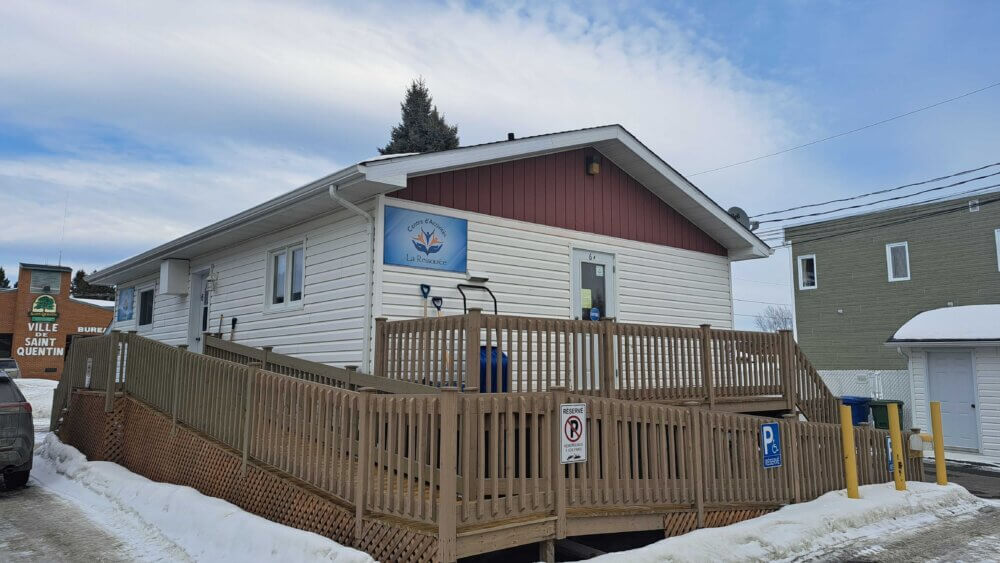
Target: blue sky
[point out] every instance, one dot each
(144, 123)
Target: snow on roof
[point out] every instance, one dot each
(388, 156)
(95, 302)
(968, 322)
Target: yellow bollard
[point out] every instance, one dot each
(938, 437)
(850, 461)
(897, 447)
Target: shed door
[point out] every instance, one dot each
(951, 381)
(593, 280)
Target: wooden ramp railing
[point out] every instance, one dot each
(291, 366)
(469, 464)
(475, 352)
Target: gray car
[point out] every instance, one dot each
(17, 434)
(10, 366)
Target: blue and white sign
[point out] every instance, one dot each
(770, 437)
(888, 449)
(425, 240)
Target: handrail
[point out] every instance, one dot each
(605, 358)
(309, 371)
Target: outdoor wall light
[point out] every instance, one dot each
(593, 166)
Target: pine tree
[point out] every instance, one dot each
(4, 282)
(84, 289)
(79, 287)
(422, 128)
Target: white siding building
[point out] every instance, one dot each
(954, 358)
(560, 225)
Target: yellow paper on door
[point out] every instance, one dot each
(586, 300)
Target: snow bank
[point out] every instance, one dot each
(38, 392)
(966, 322)
(798, 530)
(158, 518)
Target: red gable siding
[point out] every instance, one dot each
(555, 190)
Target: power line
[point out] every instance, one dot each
(897, 188)
(843, 133)
(896, 222)
(893, 198)
(858, 219)
(762, 302)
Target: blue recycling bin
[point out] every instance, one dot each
(488, 370)
(859, 408)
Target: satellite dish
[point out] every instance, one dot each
(740, 215)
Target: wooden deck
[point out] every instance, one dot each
(481, 471)
(733, 371)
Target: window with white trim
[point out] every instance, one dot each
(996, 235)
(807, 272)
(285, 276)
(897, 259)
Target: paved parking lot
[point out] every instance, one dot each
(40, 526)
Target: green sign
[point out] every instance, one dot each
(44, 309)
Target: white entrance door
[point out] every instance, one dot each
(593, 281)
(951, 381)
(198, 316)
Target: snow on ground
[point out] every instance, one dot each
(39, 392)
(154, 519)
(800, 531)
(978, 461)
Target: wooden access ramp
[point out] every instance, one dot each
(456, 474)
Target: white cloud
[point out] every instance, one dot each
(203, 111)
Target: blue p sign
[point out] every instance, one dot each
(770, 437)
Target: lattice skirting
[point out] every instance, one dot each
(146, 442)
(679, 523)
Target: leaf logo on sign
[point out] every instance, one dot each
(427, 242)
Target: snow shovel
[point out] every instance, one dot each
(425, 290)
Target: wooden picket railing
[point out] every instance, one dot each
(342, 378)
(462, 463)
(476, 352)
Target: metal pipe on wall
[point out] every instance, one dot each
(366, 345)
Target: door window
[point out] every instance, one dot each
(593, 285)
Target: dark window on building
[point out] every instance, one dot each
(807, 272)
(6, 342)
(50, 370)
(146, 307)
(45, 282)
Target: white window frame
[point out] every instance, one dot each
(288, 304)
(137, 308)
(815, 284)
(888, 261)
(996, 235)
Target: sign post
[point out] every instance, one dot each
(573, 433)
(770, 438)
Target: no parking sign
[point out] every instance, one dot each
(573, 432)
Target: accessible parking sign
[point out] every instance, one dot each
(770, 437)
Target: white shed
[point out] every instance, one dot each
(954, 358)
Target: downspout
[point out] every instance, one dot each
(369, 274)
